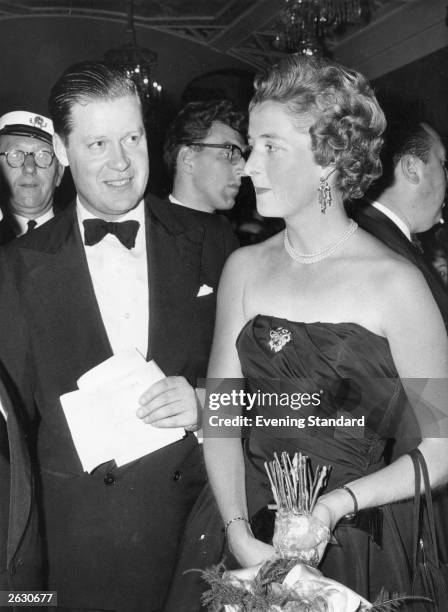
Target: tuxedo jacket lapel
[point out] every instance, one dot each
(60, 287)
(174, 270)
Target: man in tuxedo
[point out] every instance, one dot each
(20, 547)
(409, 197)
(203, 153)
(115, 270)
(30, 172)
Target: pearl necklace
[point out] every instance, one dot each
(310, 258)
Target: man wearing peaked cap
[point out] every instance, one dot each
(30, 172)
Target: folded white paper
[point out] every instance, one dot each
(102, 414)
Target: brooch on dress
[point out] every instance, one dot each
(279, 337)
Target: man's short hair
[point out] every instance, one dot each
(82, 83)
(400, 139)
(194, 122)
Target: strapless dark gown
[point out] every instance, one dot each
(352, 370)
(353, 367)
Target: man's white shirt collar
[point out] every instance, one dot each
(23, 221)
(174, 200)
(394, 218)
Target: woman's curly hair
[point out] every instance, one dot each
(346, 119)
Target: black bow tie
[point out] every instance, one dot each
(96, 229)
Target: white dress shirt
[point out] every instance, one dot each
(120, 280)
(394, 218)
(23, 221)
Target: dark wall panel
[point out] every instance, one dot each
(418, 90)
(34, 52)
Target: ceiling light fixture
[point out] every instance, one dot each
(137, 62)
(303, 24)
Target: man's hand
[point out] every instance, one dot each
(171, 402)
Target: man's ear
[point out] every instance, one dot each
(60, 173)
(411, 167)
(185, 159)
(60, 150)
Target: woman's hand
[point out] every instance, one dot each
(331, 507)
(324, 513)
(249, 551)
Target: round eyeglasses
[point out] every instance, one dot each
(234, 154)
(16, 158)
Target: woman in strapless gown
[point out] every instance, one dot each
(325, 310)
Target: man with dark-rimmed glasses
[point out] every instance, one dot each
(204, 154)
(29, 170)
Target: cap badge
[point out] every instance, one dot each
(38, 122)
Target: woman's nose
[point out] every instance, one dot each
(251, 167)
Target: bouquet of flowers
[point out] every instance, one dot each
(297, 533)
(285, 585)
(290, 581)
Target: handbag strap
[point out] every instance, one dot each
(421, 469)
(415, 510)
(429, 504)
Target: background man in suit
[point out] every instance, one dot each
(30, 172)
(203, 152)
(20, 548)
(112, 271)
(409, 197)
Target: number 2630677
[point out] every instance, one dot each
(28, 598)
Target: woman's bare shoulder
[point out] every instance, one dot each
(248, 258)
(381, 260)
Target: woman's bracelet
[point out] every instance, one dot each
(355, 501)
(233, 520)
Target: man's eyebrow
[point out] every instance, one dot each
(105, 136)
(95, 136)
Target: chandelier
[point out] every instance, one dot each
(303, 24)
(137, 62)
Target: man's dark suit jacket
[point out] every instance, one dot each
(113, 535)
(9, 229)
(20, 547)
(379, 225)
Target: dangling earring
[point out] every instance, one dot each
(324, 192)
